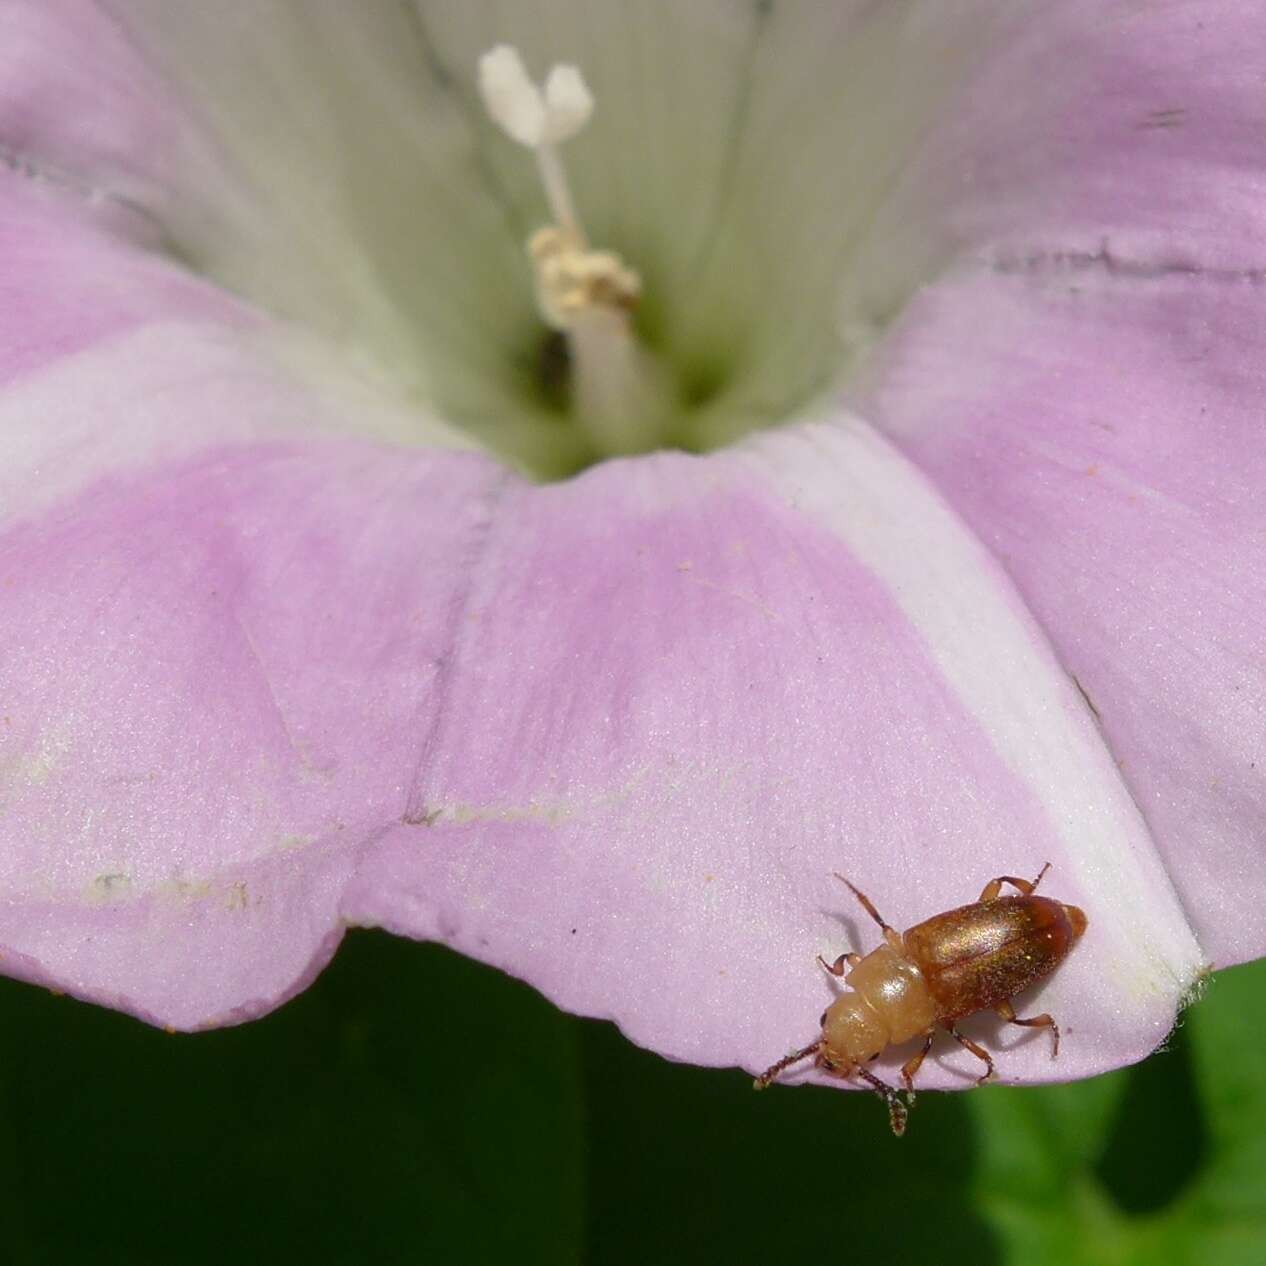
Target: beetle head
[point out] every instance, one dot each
(852, 1034)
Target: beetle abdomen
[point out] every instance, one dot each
(980, 955)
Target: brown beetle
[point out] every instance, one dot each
(943, 969)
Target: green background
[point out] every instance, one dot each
(416, 1107)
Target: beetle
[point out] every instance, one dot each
(974, 958)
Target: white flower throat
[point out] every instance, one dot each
(621, 395)
(763, 169)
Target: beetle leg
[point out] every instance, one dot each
(837, 968)
(978, 1051)
(1026, 886)
(897, 1111)
(891, 935)
(990, 891)
(767, 1077)
(1043, 1021)
(911, 1066)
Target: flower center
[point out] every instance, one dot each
(773, 176)
(620, 395)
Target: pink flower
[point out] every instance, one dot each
(964, 315)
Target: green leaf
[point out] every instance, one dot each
(411, 1106)
(415, 1107)
(1163, 1162)
(689, 1165)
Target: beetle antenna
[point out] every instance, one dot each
(771, 1073)
(898, 1112)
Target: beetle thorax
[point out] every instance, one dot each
(894, 987)
(887, 1001)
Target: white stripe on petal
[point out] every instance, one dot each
(1002, 670)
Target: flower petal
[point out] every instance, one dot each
(686, 691)
(1099, 426)
(1097, 123)
(312, 160)
(147, 764)
(257, 688)
(1083, 385)
(215, 677)
(262, 690)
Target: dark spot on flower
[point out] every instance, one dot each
(1164, 119)
(553, 369)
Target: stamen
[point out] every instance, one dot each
(570, 281)
(620, 394)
